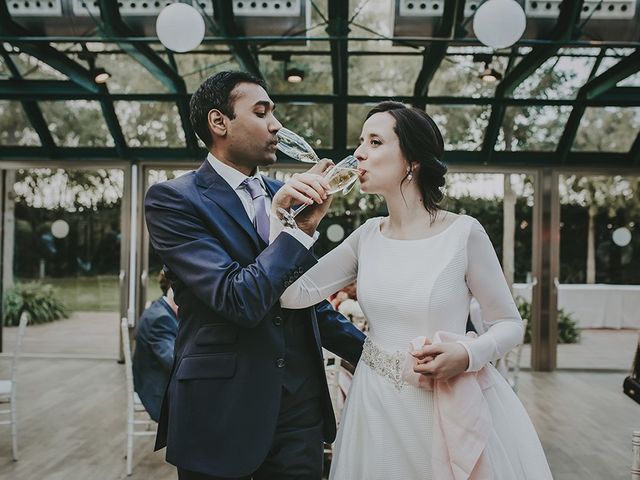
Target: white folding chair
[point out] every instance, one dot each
(8, 389)
(635, 451)
(137, 416)
(511, 361)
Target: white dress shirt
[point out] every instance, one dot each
(235, 180)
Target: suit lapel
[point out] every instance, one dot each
(216, 189)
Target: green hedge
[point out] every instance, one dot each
(567, 327)
(42, 302)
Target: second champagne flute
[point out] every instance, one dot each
(340, 177)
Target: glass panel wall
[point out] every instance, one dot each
(62, 236)
(599, 282)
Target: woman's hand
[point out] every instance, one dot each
(442, 361)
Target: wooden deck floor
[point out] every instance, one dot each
(72, 415)
(72, 423)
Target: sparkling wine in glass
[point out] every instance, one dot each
(341, 177)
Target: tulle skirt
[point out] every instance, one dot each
(386, 433)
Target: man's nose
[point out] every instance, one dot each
(275, 125)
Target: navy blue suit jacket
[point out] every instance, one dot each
(153, 356)
(221, 406)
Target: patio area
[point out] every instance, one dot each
(71, 401)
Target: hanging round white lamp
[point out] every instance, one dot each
(60, 229)
(621, 236)
(180, 27)
(499, 23)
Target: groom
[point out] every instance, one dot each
(248, 396)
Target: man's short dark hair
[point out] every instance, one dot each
(215, 92)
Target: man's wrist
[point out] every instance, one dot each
(307, 229)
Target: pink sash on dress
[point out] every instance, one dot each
(462, 424)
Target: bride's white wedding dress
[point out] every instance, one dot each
(411, 288)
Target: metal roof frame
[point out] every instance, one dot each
(598, 91)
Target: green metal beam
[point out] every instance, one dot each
(225, 26)
(31, 109)
(63, 90)
(274, 40)
(570, 130)
(601, 86)
(607, 80)
(46, 53)
(339, 26)
(576, 160)
(68, 67)
(34, 114)
(433, 54)
(113, 124)
(20, 88)
(113, 25)
(563, 30)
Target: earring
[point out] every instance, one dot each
(409, 173)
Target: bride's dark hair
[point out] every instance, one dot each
(420, 142)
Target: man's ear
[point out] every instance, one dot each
(217, 122)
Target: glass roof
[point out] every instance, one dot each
(15, 128)
(608, 129)
(150, 124)
(128, 75)
(383, 75)
(349, 57)
(459, 76)
(532, 128)
(308, 120)
(558, 77)
(34, 69)
(462, 126)
(194, 68)
(66, 120)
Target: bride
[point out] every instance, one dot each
(425, 402)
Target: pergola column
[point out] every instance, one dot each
(546, 269)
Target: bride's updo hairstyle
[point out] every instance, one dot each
(420, 142)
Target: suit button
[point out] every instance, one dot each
(280, 363)
(277, 321)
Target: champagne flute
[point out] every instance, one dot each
(295, 146)
(341, 177)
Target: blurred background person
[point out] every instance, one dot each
(153, 355)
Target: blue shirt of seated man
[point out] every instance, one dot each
(153, 355)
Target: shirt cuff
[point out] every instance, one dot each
(302, 237)
(275, 227)
(466, 347)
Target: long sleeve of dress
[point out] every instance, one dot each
(335, 270)
(499, 312)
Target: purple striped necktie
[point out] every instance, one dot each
(261, 222)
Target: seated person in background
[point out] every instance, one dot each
(346, 293)
(153, 356)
